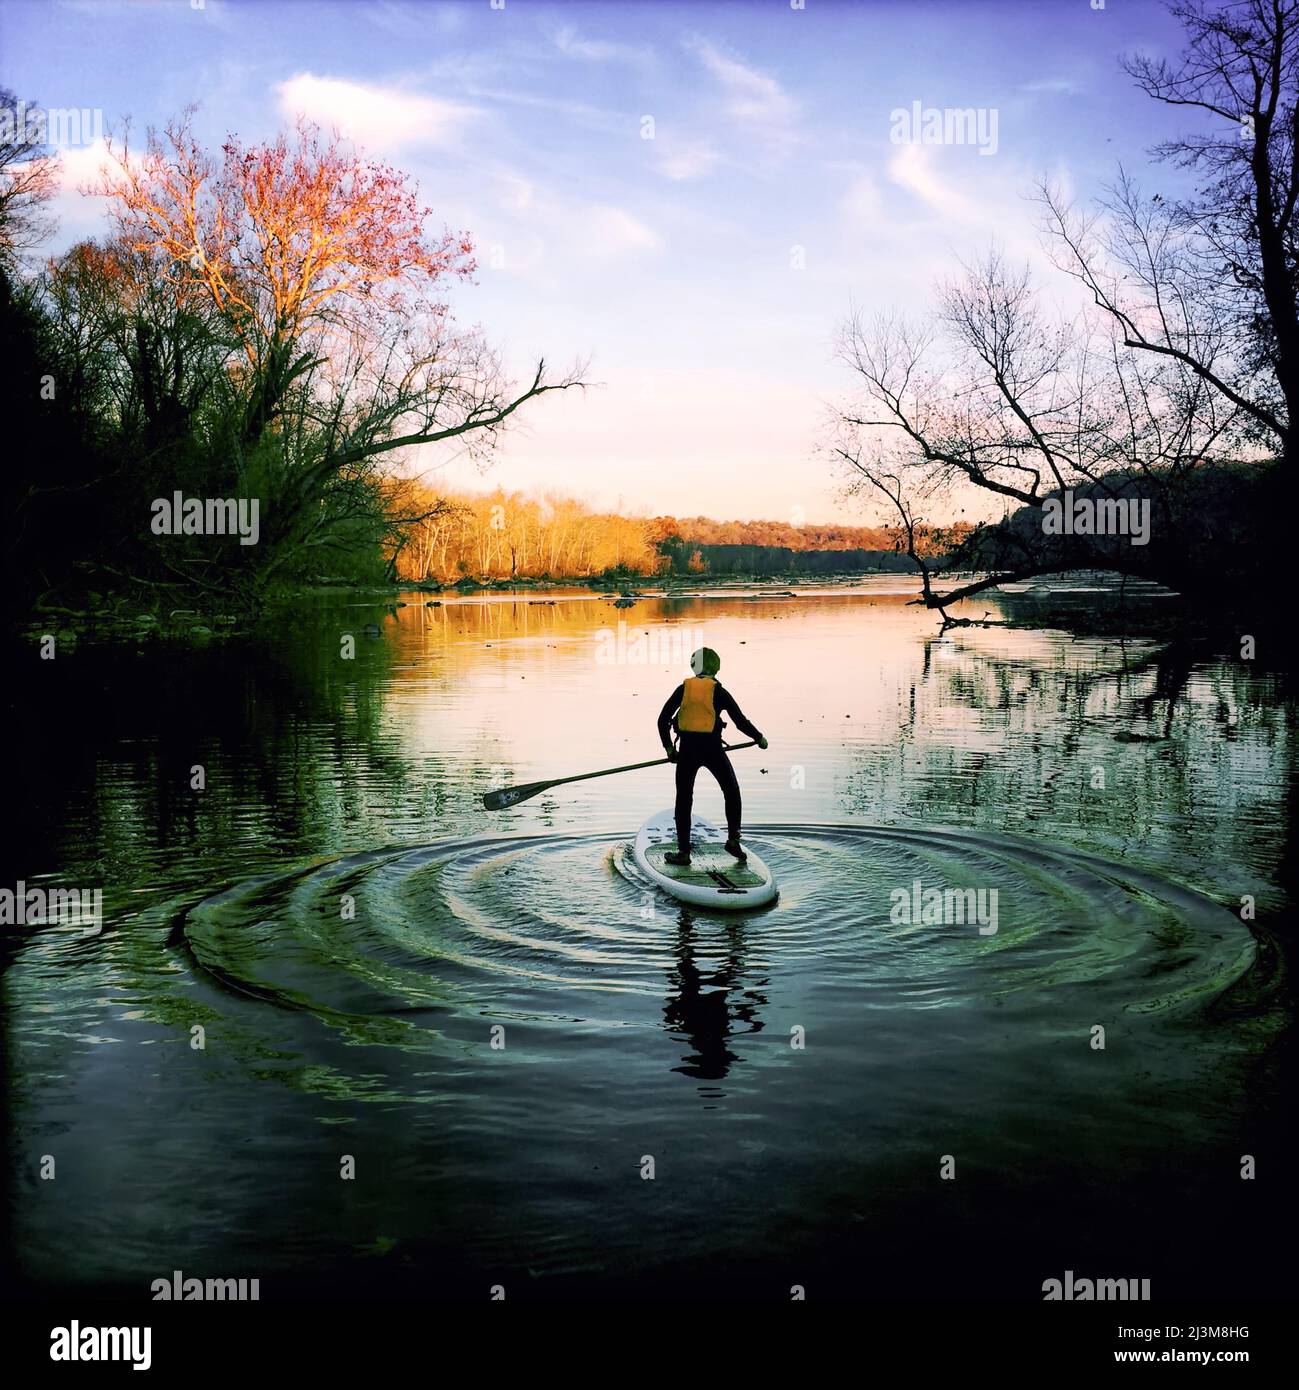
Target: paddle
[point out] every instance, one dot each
(511, 796)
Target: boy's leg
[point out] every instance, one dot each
(687, 768)
(720, 766)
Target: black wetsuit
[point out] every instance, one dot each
(697, 750)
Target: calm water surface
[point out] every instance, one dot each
(353, 931)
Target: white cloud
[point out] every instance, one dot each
(611, 231)
(1066, 86)
(79, 211)
(593, 117)
(913, 167)
(752, 96)
(573, 45)
(862, 202)
(380, 119)
(517, 194)
(408, 21)
(965, 205)
(689, 162)
(83, 165)
(544, 234)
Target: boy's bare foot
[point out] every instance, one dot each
(733, 847)
(676, 857)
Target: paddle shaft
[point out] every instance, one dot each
(632, 767)
(501, 797)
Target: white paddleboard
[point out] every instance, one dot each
(713, 878)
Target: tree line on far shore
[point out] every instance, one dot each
(513, 535)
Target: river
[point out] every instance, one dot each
(343, 1030)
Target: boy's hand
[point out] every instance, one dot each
(672, 754)
(762, 743)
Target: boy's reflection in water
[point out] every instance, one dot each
(706, 1008)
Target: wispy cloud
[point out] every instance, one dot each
(752, 96)
(612, 231)
(1063, 86)
(965, 206)
(517, 194)
(411, 19)
(541, 228)
(689, 162)
(574, 45)
(378, 118)
(914, 168)
(862, 203)
(582, 113)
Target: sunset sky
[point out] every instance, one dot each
(669, 262)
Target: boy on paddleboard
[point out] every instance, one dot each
(698, 704)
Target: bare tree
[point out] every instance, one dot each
(29, 178)
(993, 391)
(1186, 359)
(1211, 281)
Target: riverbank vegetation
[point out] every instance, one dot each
(266, 325)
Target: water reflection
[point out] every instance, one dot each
(709, 1002)
(870, 715)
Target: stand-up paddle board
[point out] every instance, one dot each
(713, 878)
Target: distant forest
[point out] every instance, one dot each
(689, 557)
(700, 545)
(503, 535)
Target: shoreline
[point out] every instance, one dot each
(116, 622)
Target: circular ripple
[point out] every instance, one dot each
(564, 928)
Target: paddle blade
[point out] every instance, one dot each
(511, 796)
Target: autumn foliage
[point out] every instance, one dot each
(704, 530)
(284, 234)
(511, 535)
(504, 535)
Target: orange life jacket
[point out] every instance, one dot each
(697, 715)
